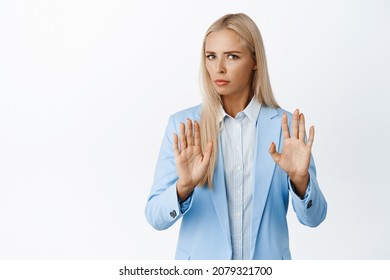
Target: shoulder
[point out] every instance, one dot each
(281, 111)
(192, 113)
(271, 112)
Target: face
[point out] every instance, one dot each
(229, 63)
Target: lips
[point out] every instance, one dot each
(221, 82)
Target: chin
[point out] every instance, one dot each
(223, 92)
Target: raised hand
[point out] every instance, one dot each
(295, 156)
(191, 162)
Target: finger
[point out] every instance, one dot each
(176, 145)
(302, 127)
(207, 153)
(183, 142)
(197, 139)
(286, 133)
(295, 124)
(311, 137)
(272, 150)
(190, 140)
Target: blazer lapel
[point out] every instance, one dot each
(268, 130)
(218, 195)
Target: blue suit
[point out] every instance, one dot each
(204, 231)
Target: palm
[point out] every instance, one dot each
(296, 152)
(191, 163)
(295, 158)
(191, 166)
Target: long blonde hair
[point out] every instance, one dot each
(247, 29)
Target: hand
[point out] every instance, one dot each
(295, 156)
(191, 163)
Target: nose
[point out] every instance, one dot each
(221, 69)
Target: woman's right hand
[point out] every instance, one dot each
(191, 162)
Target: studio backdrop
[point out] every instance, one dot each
(87, 87)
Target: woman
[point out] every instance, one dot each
(226, 180)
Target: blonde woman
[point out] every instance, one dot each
(219, 169)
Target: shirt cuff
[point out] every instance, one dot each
(307, 193)
(185, 205)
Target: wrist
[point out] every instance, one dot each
(300, 184)
(183, 191)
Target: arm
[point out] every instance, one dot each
(296, 160)
(163, 198)
(178, 172)
(312, 208)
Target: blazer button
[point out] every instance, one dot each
(309, 204)
(173, 214)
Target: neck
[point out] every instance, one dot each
(235, 104)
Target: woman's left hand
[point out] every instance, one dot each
(295, 156)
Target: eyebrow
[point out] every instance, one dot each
(224, 52)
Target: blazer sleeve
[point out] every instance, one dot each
(163, 208)
(312, 209)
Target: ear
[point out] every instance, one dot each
(255, 67)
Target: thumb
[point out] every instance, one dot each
(274, 154)
(208, 152)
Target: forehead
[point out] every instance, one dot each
(225, 39)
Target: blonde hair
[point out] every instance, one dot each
(247, 29)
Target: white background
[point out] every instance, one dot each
(86, 89)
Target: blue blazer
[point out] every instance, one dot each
(204, 231)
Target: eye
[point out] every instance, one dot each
(210, 56)
(232, 56)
